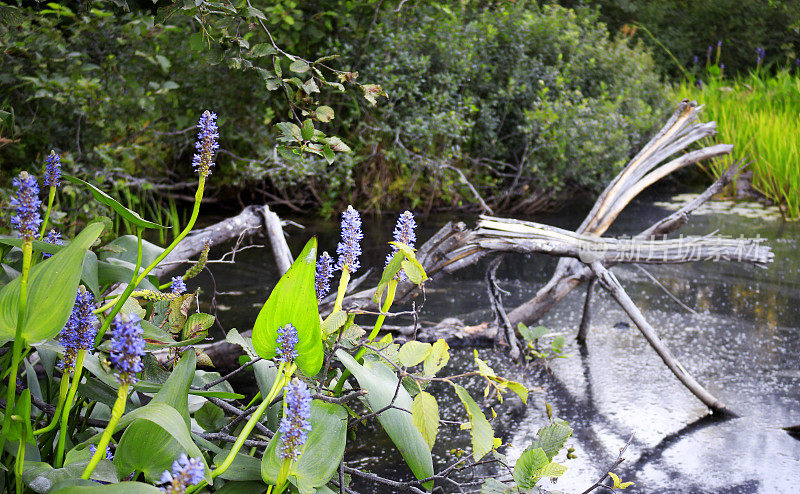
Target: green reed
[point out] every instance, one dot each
(760, 116)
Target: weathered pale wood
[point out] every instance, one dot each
(586, 318)
(612, 285)
(252, 220)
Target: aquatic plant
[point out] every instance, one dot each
(26, 202)
(140, 342)
(755, 113)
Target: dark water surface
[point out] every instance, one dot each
(744, 346)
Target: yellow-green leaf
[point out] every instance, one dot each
(414, 352)
(425, 414)
(437, 358)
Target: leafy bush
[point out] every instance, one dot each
(687, 29)
(515, 96)
(519, 97)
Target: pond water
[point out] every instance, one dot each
(743, 345)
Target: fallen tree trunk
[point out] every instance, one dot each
(249, 222)
(584, 255)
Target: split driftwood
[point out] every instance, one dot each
(585, 255)
(250, 221)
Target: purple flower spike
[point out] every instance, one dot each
(27, 203)
(109, 454)
(295, 424)
(177, 285)
(127, 347)
(53, 237)
(404, 234)
(286, 342)
(52, 170)
(185, 472)
(80, 331)
(349, 248)
(207, 144)
(323, 275)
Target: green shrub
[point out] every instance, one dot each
(519, 97)
(687, 29)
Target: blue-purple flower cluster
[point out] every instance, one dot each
(296, 421)
(52, 170)
(323, 275)
(185, 472)
(403, 233)
(53, 237)
(285, 350)
(109, 454)
(207, 144)
(349, 249)
(80, 331)
(27, 203)
(127, 347)
(177, 285)
(761, 54)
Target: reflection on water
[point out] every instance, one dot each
(743, 346)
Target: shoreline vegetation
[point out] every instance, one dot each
(519, 107)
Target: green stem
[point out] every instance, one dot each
(76, 379)
(51, 196)
(20, 463)
(16, 355)
(198, 197)
(116, 413)
(343, 281)
(128, 290)
(62, 395)
(387, 304)
(280, 380)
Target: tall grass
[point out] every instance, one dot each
(760, 116)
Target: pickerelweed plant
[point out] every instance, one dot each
(104, 388)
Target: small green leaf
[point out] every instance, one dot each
(197, 324)
(372, 92)
(299, 67)
(618, 484)
(210, 417)
(333, 322)
(414, 352)
(261, 50)
(324, 113)
(293, 301)
(308, 130)
(254, 12)
(289, 132)
(101, 197)
(328, 154)
(437, 358)
(425, 414)
(481, 430)
(551, 438)
(532, 334)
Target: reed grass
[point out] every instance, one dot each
(760, 116)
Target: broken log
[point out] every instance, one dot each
(249, 222)
(612, 285)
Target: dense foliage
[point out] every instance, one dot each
(543, 101)
(103, 387)
(522, 99)
(685, 30)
